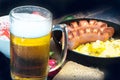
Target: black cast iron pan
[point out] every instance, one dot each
(92, 61)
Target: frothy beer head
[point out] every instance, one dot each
(30, 25)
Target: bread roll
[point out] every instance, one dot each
(75, 71)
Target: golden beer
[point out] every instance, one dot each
(29, 57)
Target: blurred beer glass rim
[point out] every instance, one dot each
(47, 15)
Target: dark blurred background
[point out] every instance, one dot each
(58, 7)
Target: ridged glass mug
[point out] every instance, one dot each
(30, 34)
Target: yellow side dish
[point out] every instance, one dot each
(109, 48)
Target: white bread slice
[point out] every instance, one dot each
(74, 71)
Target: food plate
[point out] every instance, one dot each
(4, 35)
(93, 61)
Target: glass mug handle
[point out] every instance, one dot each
(61, 27)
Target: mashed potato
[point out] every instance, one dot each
(109, 48)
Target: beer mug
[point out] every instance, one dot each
(30, 34)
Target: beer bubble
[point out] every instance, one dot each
(30, 25)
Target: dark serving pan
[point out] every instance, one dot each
(98, 62)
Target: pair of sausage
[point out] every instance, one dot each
(83, 31)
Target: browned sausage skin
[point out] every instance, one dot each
(87, 31)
